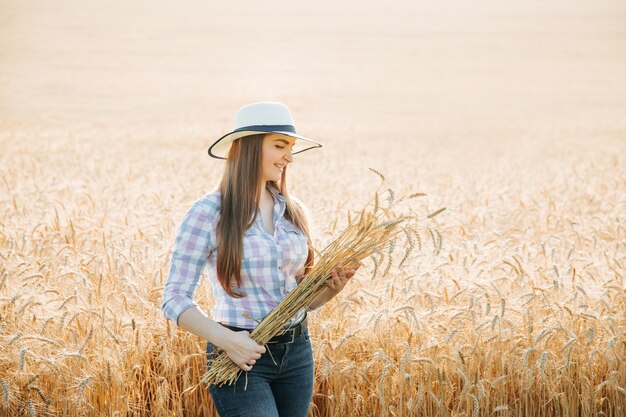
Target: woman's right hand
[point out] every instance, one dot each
(243, 350)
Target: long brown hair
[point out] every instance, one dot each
(240, 202)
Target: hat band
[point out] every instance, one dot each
(268, 128)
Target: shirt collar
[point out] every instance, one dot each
(275, 193)
(279, 200)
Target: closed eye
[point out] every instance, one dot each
(282, 142)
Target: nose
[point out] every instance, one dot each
(288, 156)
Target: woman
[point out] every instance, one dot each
(254, 240)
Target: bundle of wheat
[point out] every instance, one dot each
(372, 233)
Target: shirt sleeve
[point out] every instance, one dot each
(191, 250)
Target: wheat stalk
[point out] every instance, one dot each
(31, 408)
(6, 392)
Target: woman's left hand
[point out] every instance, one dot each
(339, 277)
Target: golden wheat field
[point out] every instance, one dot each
(512, 115)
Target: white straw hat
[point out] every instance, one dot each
(262, 117)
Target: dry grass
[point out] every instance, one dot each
(520, 313)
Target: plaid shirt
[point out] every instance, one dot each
(269, 264)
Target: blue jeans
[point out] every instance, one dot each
(283, 389)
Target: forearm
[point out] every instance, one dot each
(323, 297)
(195, 321)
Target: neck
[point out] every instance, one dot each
(264, 190)
(265, 185)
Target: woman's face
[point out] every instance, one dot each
(275, 155)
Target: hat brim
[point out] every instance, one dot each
(219, 149)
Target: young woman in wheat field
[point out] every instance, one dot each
(253, 238)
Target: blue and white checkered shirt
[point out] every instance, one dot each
(269, 266)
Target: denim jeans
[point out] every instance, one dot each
(284, 388)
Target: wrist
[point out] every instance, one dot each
(323, 297)
(222, 337)
(330, 293)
